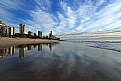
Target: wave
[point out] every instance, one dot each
(114, 46)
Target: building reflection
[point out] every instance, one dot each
(50, 47)
(2, 53)
(39, 47)
(20, 49)
(7, 51)
(13, 50)
(10, 50)
(34, 45)
(29, 46)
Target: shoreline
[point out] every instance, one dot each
(7, 42)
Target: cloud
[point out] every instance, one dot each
(103, 19)
(43, 4)
(70, 16)
(40, 20)
(8, 10)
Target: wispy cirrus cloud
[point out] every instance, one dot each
(64, 16)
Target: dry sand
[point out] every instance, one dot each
(6, 42)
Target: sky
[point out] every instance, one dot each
(63, 16)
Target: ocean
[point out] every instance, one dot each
(70, 60)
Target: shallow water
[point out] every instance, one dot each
(59, 62)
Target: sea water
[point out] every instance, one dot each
(64, 61)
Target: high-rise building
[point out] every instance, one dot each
(4, 28)
(35, 35)
(0, 29)
(7, 31)
(0, 26)
(39, 34)
(50, 34)
(29, 34)
(0, 21)
(21, 28)
(12, 31)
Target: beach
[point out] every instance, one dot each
(6, 42)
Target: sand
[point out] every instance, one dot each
(6, 42)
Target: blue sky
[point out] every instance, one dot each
(63, 16)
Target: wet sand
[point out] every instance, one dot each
(6, 42)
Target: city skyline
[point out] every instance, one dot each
(63, 16)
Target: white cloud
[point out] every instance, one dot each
(85, 18)
(71, 17)
(10, 4)
(6, 15)
(43, 4)
(106, 16)
(41, 21)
